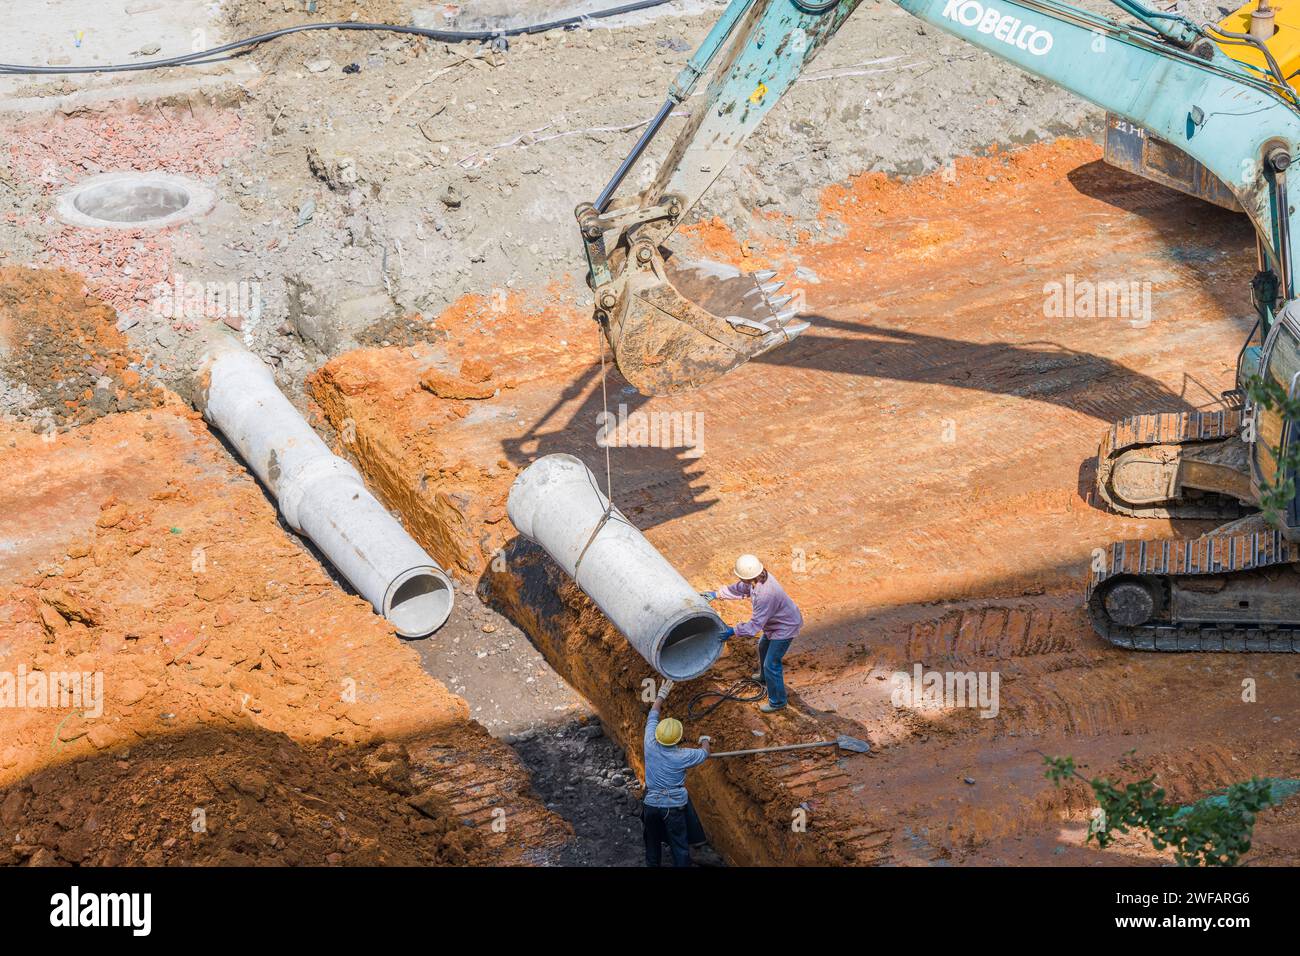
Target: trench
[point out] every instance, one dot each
(748, 807)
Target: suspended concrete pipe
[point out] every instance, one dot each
(556, 502)
(320, 494)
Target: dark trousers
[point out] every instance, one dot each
(770, 654)
(679, 827)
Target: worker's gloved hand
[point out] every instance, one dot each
(709, 595)
(729, 633)
(705, 739)
(663, 690)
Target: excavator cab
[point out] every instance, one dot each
(1280, 363)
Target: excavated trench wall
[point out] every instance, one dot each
(753, 808)
(779, 809)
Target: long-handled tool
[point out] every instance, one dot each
(843, 742)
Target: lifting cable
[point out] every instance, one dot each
(609, 481)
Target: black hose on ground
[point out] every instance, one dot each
(445, 36)
(736, 691)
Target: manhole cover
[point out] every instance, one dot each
(134, 201)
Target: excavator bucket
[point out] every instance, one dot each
(681, 324)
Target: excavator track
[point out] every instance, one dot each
(1169, 428)
(1172, 559)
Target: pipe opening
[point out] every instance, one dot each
(132, 202)
(420, 604)
(691, 647)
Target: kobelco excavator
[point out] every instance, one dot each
(1205, 108)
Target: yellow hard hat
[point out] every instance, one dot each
(669, 731)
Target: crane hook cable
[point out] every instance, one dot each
(609, 481)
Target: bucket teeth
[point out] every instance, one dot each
(783, 317)
(765, 275)
(748, 326)
(781, 301)
(795, 329)
(772, 287)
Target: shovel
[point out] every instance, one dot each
(843, 742)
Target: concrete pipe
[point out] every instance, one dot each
(557, 502)
(320, 494)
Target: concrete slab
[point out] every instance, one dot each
(51, 33)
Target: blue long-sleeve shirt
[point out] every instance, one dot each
(773, 612)
(665, 768)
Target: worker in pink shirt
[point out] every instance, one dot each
(774, 614)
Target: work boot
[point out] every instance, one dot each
(757, 676)
(769, 708)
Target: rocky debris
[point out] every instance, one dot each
(583, 776)
(450, 386)
(401, 330)
(70, 608)
(65, 353)
(337, 172)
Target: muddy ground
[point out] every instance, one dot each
(390, 209)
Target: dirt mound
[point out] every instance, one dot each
(64, 348)
(221, 670)
(232, 799)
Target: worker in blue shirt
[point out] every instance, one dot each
(665, 809)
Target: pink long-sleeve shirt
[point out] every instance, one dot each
(773, 612)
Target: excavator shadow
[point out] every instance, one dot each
(655, 484)
(1038, 371)
(1195, 233)
(652, 483)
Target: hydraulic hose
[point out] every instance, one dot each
(745, 690)
(444, 36)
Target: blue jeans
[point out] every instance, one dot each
(769, 662)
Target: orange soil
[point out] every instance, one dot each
(239, 682)
(915, 469)
(48, 327)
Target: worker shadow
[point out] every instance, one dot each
(1035, 371)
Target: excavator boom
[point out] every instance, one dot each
(1231, 125)
(675, 325)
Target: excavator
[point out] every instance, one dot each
(1208, 109)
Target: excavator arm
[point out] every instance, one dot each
(674, 326)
